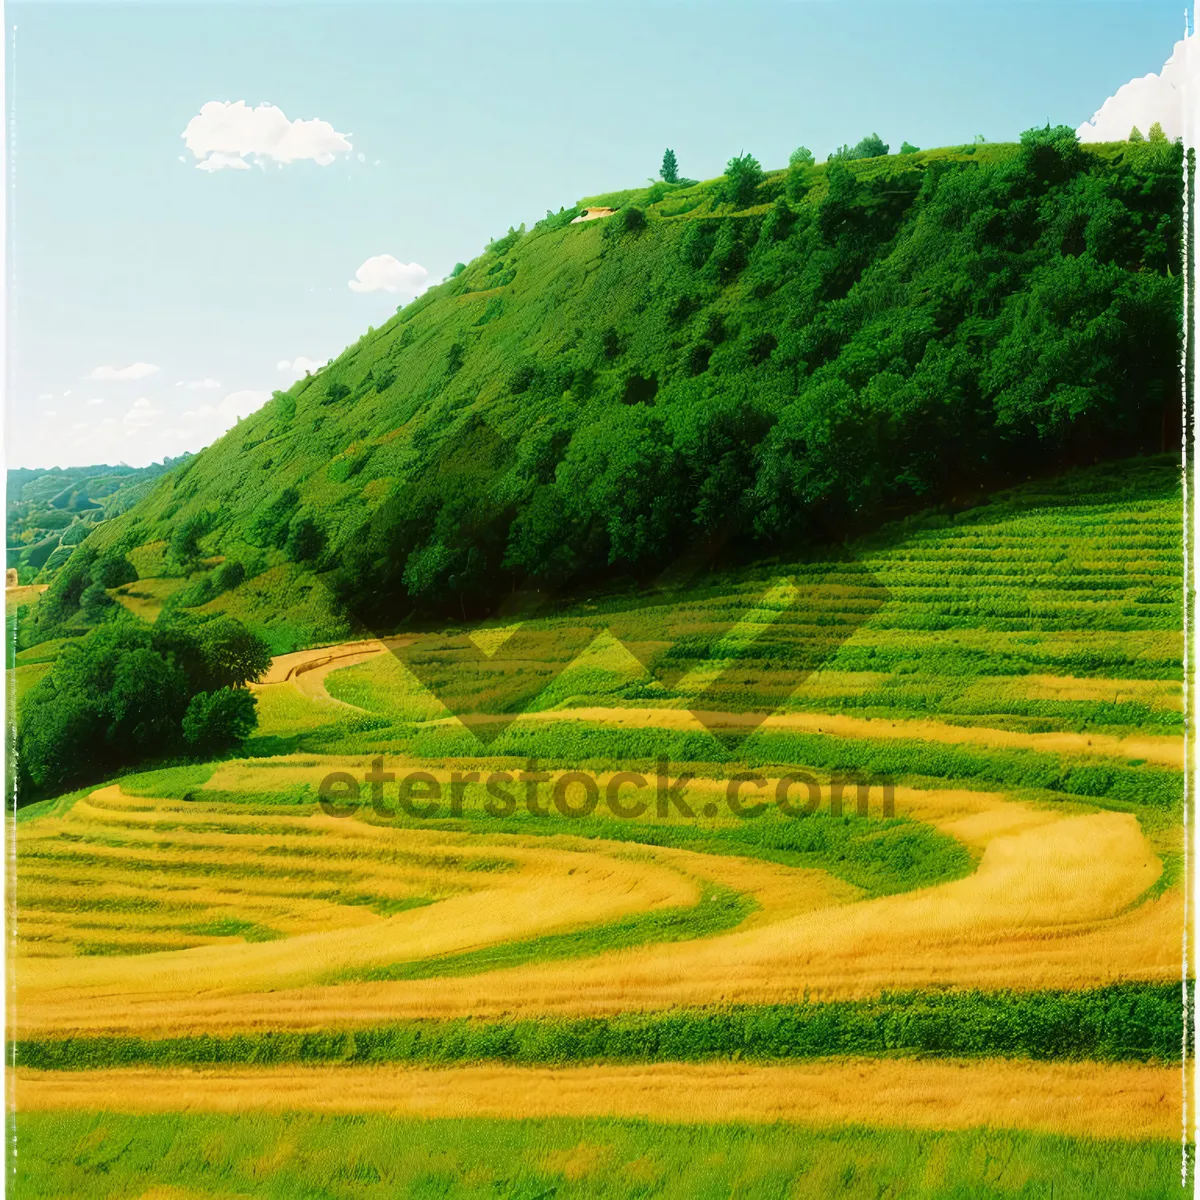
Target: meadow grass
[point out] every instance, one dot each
(1123, 1022)
(292, 1155)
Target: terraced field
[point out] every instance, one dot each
(962, 978)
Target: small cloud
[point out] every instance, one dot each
(141, 415)
(49, 412)
(95, 400)
(362, 157)
(137, 370)
(1143, 101)
(377, 162)
(232, 136)
(193, 385)
(223, 162)
(297, 368)
(237, 405)
(46, 396)
(383, 273)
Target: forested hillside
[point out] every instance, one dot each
(50, 512)
(749, 362)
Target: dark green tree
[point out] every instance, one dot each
(220, 720)
(670, 167)
(304, 540)
(112, 569)
(1135, 135)
(228, 575)
(743, 174)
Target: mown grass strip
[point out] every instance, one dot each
(1121, 1023)
(720, 908)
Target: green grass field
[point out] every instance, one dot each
(339, 1158)
(1016, 668)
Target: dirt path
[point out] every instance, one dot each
(1126, 1101)
(306, 670)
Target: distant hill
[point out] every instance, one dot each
(735, 366)
(50, 511)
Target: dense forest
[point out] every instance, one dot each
(744, 363)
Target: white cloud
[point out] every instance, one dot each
(46, 396)
(239, 404)
(231, 136)
(49, 412)
(142, 415)
(1143, 101)
(297, 368)
(222, 162)
(95, 400)
(383, 273)
(193, 385)
(137, 370)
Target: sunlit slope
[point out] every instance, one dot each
(586, 402)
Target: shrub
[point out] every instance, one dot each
(304, 540)
(215, 721)
(228, 576)
(743, 174)
(113, 569)
(872, 146)
(802, 156)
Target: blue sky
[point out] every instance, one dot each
(467, 119)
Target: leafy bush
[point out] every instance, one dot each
(229, 575)
(743, 174)
(120, 694)
(215, 721)
(304, 540)
(872, 146)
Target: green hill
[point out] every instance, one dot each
(733, 367)
(50, 512)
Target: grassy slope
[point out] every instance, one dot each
(548, 297)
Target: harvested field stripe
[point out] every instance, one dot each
(1125, 1101)
(1167, 751)
(1125, 1022)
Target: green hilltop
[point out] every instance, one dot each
(740, 366)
